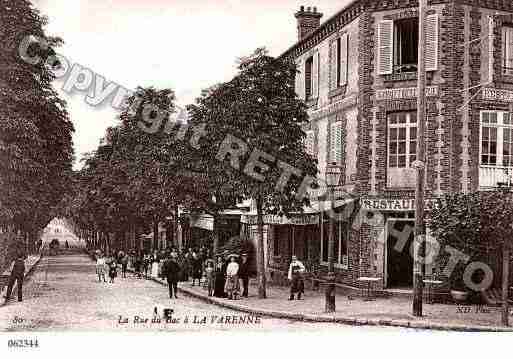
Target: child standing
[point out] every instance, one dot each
(113, 270)
(100, 268)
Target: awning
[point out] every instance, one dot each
(322, 206)
(309, 216)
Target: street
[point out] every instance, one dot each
(64, 294)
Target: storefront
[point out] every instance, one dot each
(304, 235)
(198, 229)
(390, 247)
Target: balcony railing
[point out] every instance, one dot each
(495, 176)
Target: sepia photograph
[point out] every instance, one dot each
(217, 175)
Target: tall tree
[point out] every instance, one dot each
(36, 152)
(254, 133)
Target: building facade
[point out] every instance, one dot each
(358, 75)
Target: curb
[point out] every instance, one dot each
(312, 318)
(339, 320)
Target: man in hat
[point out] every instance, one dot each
(17, 275)
(244, 274)
(171, 272)
(296, 270)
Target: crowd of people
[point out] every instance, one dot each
(222, 276)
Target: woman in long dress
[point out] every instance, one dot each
(232, 279)
(295, 276)
(155, 265)
(220, 270)
(197, 268)
(100, 268)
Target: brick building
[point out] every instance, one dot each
(358, 75)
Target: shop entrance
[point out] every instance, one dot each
(398, 257)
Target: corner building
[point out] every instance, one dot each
(358, 75)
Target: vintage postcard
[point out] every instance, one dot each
(208, 167)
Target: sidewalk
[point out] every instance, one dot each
(353, 310)
(391, 311)
(30, 263)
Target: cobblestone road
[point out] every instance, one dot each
(63, 294)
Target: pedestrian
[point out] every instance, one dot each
(232, 279)
(197, 268)
(124, 265)
(210, 274)
(17, 275)
(171, 272)
(113, 270)
(296, 270)
(100, 268)
(146, 265)
(188, 264)
(67, 245)
(244, 274)
(220, 270)
(154, 264)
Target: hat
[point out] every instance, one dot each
(244, 254)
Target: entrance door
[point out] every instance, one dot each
(399, 263)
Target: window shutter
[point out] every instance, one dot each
(432, 42)
(343, 59)
(333, 65)
(300, 80)
(491, 26)
(315, 75)
(336, 142)
(309, 143)
(385, 47)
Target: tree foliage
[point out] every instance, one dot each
(36, 153)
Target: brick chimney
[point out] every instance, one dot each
(307, 21)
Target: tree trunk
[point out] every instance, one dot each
(155, 235)
(169, 233)
(505, 284)
(260, 251)
(215, 244)
(175, 228)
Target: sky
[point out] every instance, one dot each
(185, 45)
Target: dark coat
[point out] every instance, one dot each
(172, 271)
(197, 268)
(244, 270)
(18, 270)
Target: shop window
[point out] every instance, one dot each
(507, 50)
(496, 139)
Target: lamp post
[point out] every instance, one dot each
(333, 173)
(419, 165)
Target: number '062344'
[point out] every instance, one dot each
(23, 343)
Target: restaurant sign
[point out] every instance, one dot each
(404, 93)
(382, 204)
(299, 220)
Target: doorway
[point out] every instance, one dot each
(399, 261)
